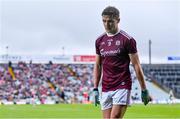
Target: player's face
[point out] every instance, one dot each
(110, 24)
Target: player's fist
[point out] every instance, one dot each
(145, 97)
(96, 96)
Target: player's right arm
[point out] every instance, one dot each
(97, 71)
(97, 77)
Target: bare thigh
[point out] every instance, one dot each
(106, 113)
(118, 111)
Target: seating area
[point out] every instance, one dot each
(73, 83)
(46, 83)
(167, 76)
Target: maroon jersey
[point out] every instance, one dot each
(115, 60)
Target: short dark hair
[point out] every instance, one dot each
(111, 11)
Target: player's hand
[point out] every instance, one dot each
(96, 96)
(145, 97)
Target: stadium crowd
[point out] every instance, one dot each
(46, 83)
(58, 83)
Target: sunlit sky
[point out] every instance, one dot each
(43, 27)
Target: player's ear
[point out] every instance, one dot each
(118, 19)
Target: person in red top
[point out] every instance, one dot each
(115, 49)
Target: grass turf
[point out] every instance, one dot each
(153, 111)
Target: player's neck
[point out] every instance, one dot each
(113, 34)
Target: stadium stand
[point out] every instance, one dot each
(166, 76)
(158, 95)
(50, 83)
(46, 83)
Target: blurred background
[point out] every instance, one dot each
(47, 48)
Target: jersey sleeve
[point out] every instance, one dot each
(131, 46)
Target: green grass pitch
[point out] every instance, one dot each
(82, 111)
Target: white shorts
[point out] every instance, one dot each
(117, 97)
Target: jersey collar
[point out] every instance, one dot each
(110, 35)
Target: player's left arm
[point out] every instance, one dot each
(140, 76)
(137, 67)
